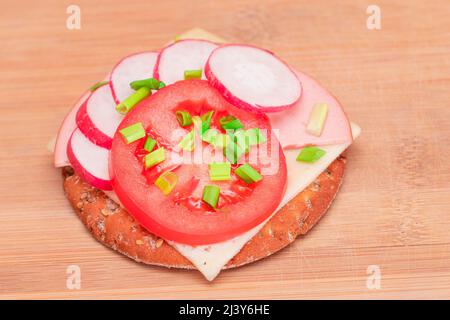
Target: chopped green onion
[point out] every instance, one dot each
(317, 119)
(233, 152)
(219, 171)
(248, 174)
(206, 120)
(211, 195)
(221, 141)
(197, 121)
(129, 103)
(310, 154)
(155, 157)
(255, 136)
(150, 83)
(149, 144)
(230, 123)
(188, 141)
(184, 118)
(161, 85)
(166, 182)
(240, 137)
(98, 85)
(210, 135)
(193, 74)
(132, 133)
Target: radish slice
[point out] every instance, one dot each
(67, 128)
(98, 119)
(137, 66)
(253, 78)
(291, 124)
(180, 56)
(89, 161)
(65, 132)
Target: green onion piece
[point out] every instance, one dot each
(255, 136)
(248, 174)
(233, 152)
(149, 144)
(98, 85)
(206, 120)
(132, 133)
(126, 105)
(230, 123)
(161, 85)
(317, 119)
(193, 74)
(221, 141)
(155, 157)
(166, 182)
(210, 136)
(211, 195)
(184, 118)
(188, 141)
(219, 171)
(150, 83)
(197, 121)
(241, 138)
(310, 154)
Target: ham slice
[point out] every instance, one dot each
(291, 124)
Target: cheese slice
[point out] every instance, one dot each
(210, 259)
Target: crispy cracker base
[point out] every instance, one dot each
(114, 227)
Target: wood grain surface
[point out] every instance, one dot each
(393, 210)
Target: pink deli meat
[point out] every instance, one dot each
(291, 124)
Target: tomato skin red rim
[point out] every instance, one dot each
(159, 215)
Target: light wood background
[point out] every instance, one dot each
(393, 210)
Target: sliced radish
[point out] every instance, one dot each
(137, 66)
(89, 161)
(180, 56)
(252, 78)
(67, 128)
(98, 119)
(65, 132)
(291, 124)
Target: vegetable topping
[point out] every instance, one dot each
(237, 182)
(166, 182)
(126, 105)
(192, 74)
(310, 154)
(317, 119)
(133, 132)
(247, 173)
(219, 171)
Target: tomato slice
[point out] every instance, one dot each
(182, 216)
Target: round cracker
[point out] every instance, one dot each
(114, 227)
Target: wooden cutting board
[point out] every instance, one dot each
(391, 218)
